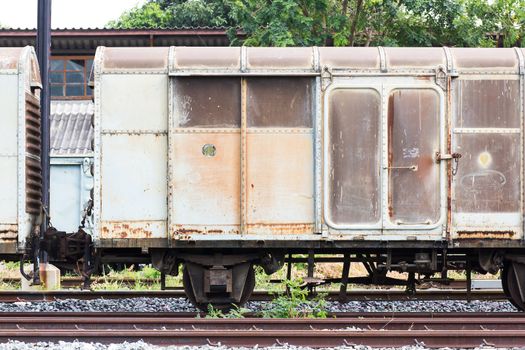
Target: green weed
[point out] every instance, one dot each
(295, 303)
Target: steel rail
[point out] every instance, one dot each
(355, 294)
(372, 329)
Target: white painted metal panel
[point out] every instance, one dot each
(132, 154)
(134, 102)
(133, 187)
(65, 196)
(8, 148)
(71, 183)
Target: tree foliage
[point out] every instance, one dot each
(343, 22)
(176, 14)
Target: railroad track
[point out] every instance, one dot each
(372, 329)
(354, 294)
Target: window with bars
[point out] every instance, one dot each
(69, 77)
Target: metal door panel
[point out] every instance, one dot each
(205, 157)
(140, 104)
(278, 156)
(414, 140)
(380, 146)
(352, 151)
(65, 190)
(486, 191)
(134, 190)
(206, 188)
(279, 182)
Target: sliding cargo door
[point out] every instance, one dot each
(205, 156)
(278, 156)
(486, 131)
(242, 156)
(381, 170)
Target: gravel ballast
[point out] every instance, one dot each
(183, 305)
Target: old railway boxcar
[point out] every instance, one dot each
(20, 187)
(407, 159)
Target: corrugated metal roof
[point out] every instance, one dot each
(71, 130)
(65, 29)
(86, 40)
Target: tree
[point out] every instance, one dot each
(177, 13)
(343, 22)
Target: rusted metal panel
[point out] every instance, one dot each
(414, 57)
(207, 102)
(132, 229)
(8, 238)
(487, 235)
(486, 190)
(279, 58)
(33, 169)
(488, 177)
(224, 58)
(349, 57)
(280, 183)
(278, 176)
(206, 186)
(280, 102)
(353, 194)
(8, 232)
(489, 103)
(136, 58)
(414, 140)
(485, 59)
(9, 57)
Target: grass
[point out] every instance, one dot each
(113, 279)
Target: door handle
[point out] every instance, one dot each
(409, 167)
(440, 157)
(453, 157)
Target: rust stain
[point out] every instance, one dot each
(390, 130)
(287, 229)
(123, 230)
(8, 232)
(449, 149)
(215, 231)
(184, 231)
(486, 234)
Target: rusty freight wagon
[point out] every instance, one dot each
(219, 159)
(20, 179)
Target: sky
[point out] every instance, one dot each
(65, 13)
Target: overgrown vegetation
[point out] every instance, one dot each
(294, 303)
(235, 312)
(342, 22)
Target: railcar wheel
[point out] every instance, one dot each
(249, 286)
(510, 286)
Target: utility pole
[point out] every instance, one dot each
(43, 50)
